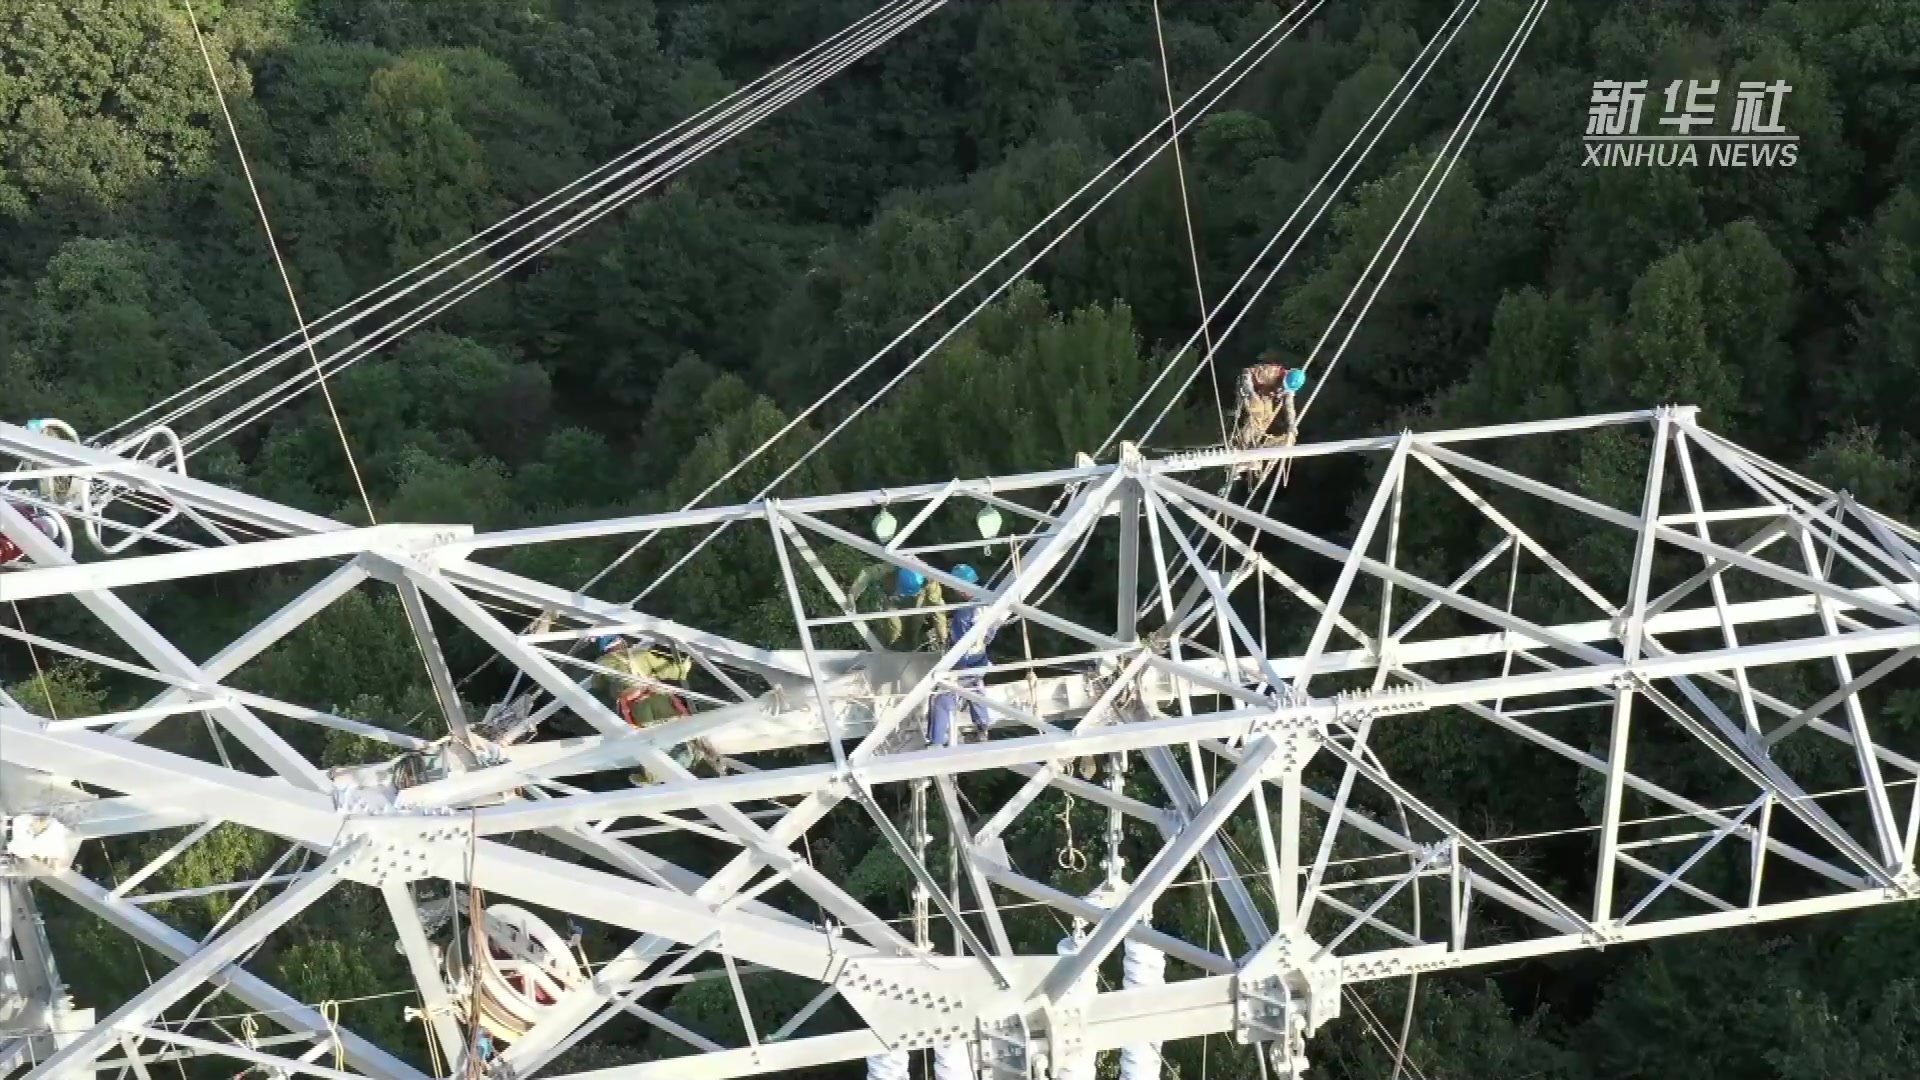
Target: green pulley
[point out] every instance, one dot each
(884, 526)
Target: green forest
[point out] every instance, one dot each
(628, 368)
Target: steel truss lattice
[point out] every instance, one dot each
(1657, 659)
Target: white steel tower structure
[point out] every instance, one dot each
(1230, 715)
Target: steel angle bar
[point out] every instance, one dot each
(1742, 464)
(1206, 577)
(1080, 907)
(1533, 631)
(1388, 963)
(786, 532)
(1516, 533)
(1905, 554)
(1188, 805)
(1650, 789)
(589, 708)
(143, 639)
(208, 698)
(1665, 881)
(1213, 459)
(1683, 451)
(1566, 916)
(498, 583)
(985, 489)
(976, 877)
(1788, 476)
(203, 964)
(209, 1048)
(1767, 777)
(1631, 635)
(822, 698)
(1369, 914)
(1886, 830)
(263, 636)
(1350, 567)
(1159, 872)
(1675, 537)
(904, 852)
(1261, 564)
(1702, 895)
(1464, 579)
(1079, 516)
(445, 690)
(58, 580)
(425, 968)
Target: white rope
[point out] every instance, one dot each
(266, 226)
(653, 149)
(1483, 98)
(284, 391)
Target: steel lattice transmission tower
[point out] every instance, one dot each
(1235, 713)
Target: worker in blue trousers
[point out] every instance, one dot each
(940, 711)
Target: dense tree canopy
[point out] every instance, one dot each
(631, 366)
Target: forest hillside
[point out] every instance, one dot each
(627, 368)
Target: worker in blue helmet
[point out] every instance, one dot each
(1265, 393)
(902, 590)
(640, 682)
(940, 730)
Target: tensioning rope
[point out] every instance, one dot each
(1186, 215)
(280, 264)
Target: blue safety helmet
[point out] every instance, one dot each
(1293, 380)
(908, 583)
(606, 643)
(967, 574)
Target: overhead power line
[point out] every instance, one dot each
(661, 158)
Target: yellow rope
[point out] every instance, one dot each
(434, 1060)
(330, 1013)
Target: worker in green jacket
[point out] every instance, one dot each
(637, 678)
(925, 632)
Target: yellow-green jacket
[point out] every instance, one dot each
(925, 632)
(644, 664)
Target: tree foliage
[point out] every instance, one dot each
(631, 368)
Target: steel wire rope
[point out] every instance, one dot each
(273, 246)
(1483, 98)
(1285, 21)
(1268, 475)
(1174, 362)
(1476, 110)
(619, 165)
(292, 387)
(992, 295)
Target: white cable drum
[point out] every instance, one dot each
(1141, 966)
(1082, 1070)
(890, 1066)
(952, 1062)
